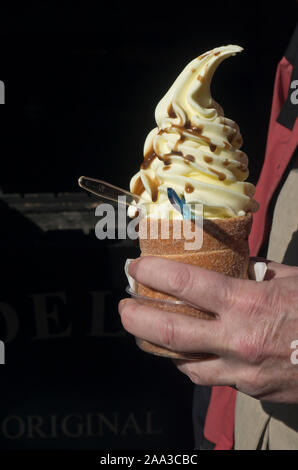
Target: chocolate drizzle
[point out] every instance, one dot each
(239, 141)
(231, 137)
(186, 128)
(193, 129)
(149, 156)
(221, 176)
(171, 112)
(153, 183)
(167, 161)
(189, 158)
(148, 160)
(138, 187)
(242, 167)
(189, 188)
(247, 190)
(179, 141)
(203, 55)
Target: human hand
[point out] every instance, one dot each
(251, 335)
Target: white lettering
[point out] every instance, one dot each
(2, 93)
(294, 94)
(2, 353)
(105, 228)
(294, 355)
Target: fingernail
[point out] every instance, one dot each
(133, 267)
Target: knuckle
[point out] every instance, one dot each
(243, 298)
(167, 333)
(200, 378)
(275, 297)
(196, 379)
(179, 279)
(254, 342)
(229, 288)
(255, 304)
(249, 347)
(251, 381)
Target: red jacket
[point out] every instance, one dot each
(281, 144)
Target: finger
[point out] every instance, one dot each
(207, 289)
(274, 270)
(173, 331)
(212, 373)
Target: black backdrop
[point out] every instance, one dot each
(82, 82)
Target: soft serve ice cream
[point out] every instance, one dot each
(195, 149)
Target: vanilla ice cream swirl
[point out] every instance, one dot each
(195, 149)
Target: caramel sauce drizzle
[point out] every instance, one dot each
(139, 188)
(173, 115)
(167, 161)
(212, 147)
(179, 141)
(239, 141)
(194, 130)
(221, 176)
(197, 131)
(247, 190)
(203, 55)
(153, 183)
(148, 159)
(231, 137)
(242, 167)
(189, 188)
(171, 112)
(189, 158)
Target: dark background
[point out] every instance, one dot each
(82, 83)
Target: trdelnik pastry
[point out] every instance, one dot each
(195, 149)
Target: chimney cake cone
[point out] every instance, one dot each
(224, 250)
